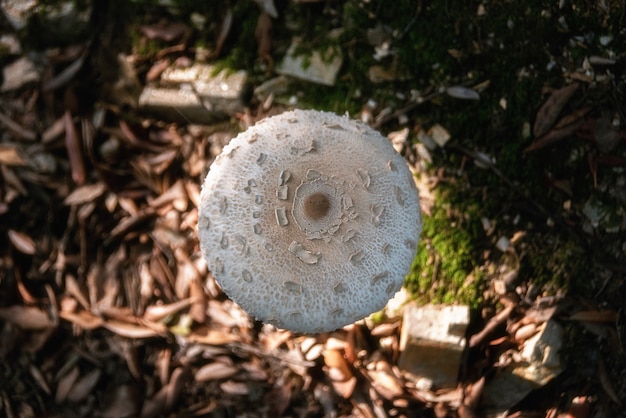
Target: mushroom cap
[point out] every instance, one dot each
(309, 221)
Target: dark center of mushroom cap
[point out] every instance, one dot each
(316, 206)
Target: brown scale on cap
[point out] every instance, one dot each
(309, 220)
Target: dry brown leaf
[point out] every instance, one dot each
(26, 317)
(234, 388)
(83, 319)
(85, 194)
(525, 332)
(167, 32)
(10, 155)
(176, 195)
(66, 75)
(73, 288)
(156, 313)
(491, 325)
(53, 131)
(346, 388)
(16, 128)
(386, 384)
(199, 304)
(22, 242)
(595, 316)
(215, 371)
(550, 110)
(175, 387)
(334, 359)
(13, 180)
(472, 399)
(66, 382)
(131, 331)
(193, 191)
(84, 386)
(74, 150)
(157, 69)
(212, 337)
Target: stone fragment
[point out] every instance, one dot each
(220, 92)
(175, 105)
(316, 67)
(18, 11)
(18, 74)
(538, 363)
(432, 343)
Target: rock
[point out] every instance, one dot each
(315, 66)
(10, 44)
(439, 134)
(175, 105)
(18, 74)
(432, 343)
(18, 11)
(196, 94)
(538, 364)
(49, 23)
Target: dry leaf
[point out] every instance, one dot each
(595, 316)
(386, 384)
(550, 110)
(26, 317)
(199, 305)
(83, 319)
(9, 155)
(175, 194)
(130, 331)
(460, 92)
(167, 32)
(17, 129)
(213, 337)
(66, 382)
(84, 386)
(335, 359)
(156, 313)
(73, 288)
(234, 388)
(85, 194)
(215, 371)
(74, 150)
(157, 69)
(22, 242)
(346, 388)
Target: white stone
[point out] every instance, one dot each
(432, 343)
(18, 74)
(312, 66)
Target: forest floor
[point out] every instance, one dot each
(511, 115)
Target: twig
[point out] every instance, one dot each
(493, 323)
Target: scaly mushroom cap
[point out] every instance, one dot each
(309, 220)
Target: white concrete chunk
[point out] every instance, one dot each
(313, 67)
(432, 343)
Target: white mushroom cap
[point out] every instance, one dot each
(309, 220)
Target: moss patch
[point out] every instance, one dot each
(445, 269)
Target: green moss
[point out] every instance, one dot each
(445, 269)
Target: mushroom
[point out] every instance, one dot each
(309, 221)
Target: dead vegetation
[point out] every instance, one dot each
(107, 308)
